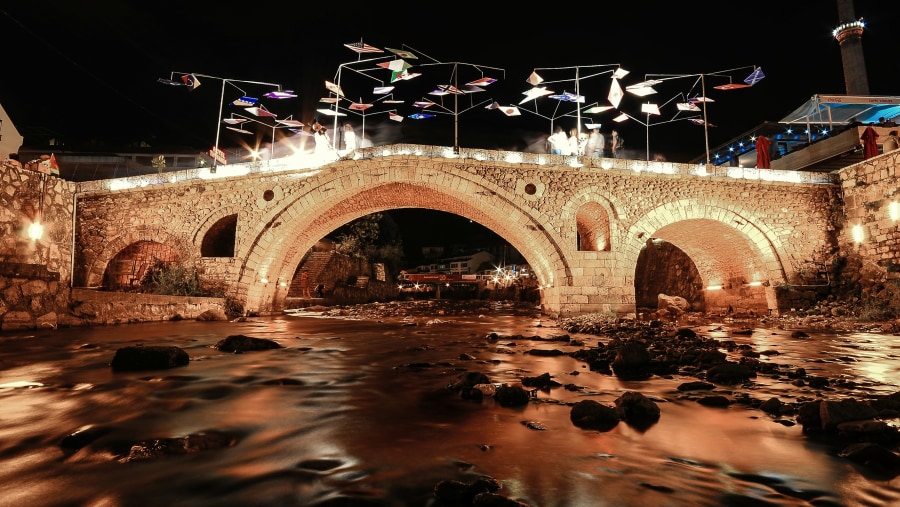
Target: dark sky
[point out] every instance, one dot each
(88, 70)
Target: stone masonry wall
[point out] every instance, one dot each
(34, 274)
(871, 192)
(777, 225)
(94, 307)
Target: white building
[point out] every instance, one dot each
(10, 138)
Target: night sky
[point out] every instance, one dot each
(89, 70)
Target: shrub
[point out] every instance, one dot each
(172, 279)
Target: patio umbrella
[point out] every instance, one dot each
(762, 152)
(870, 142)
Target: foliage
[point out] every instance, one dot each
(361, 239)
(355, 238)
(172, 279)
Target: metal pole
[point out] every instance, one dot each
(648, 136)
(705, 122)
(577, 108)
(218, 129)
(456, 109)
(334, 134)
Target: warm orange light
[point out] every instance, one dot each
(35, 231)
(858, 234)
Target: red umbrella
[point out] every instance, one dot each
(762, 152)
(870, 142)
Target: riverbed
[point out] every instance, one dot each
(358, 412)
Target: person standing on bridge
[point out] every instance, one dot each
(349, 138)
(616, 144)
(323, 144)
(559, 142)
(595, 144)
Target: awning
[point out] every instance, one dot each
(842, 109)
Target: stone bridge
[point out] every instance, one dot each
(581, 223)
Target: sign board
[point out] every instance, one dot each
(218, 155)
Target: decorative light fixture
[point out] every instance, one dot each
(192, 82)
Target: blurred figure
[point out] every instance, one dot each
(596, 144)
(891, 142)
(616, 145)
(350, 142)
(323, 144)
(558, 141)
(574, 144)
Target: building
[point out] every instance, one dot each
(10, 138)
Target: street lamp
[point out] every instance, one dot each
(192, 82)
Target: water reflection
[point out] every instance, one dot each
(356, 413)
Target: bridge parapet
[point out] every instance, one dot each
(309, 162)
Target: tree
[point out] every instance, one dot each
(363, 239)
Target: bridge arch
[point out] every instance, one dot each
(729, 250)
(337, 197)
(596, 219)
(97, 269)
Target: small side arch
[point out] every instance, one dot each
(220, 238)
(595, 219)
(96, 270)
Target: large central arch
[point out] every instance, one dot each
(339, 197)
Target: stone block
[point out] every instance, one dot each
(17, 321)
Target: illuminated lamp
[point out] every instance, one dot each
(894, 211)
(858, 233)
(35, 231)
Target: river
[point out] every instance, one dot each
(357, 413)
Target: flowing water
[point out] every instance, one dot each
(357, 413)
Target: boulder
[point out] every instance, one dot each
(592, 415)
(149, 358)
(241, 343)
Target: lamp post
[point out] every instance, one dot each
(191, 80)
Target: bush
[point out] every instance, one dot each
(172, 279)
